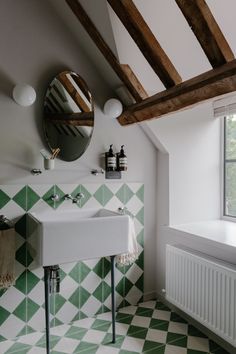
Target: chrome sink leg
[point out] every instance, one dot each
(113, 301)
(47, 307)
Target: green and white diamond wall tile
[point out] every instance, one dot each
(85, 286)
(26, 198)
(124, 194)
(4, 199)
(10, 209)
(81, 189)
(103, 195)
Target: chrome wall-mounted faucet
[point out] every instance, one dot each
(125, 211)
(55, 198)
(96, 172)
(75, 199)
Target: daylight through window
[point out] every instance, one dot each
(230, 165)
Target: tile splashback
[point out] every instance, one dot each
(85, 286)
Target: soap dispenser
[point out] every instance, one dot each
(110, 160)
(122, 160)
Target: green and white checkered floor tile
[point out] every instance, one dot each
(149, 328)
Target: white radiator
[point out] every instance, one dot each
(204, 288)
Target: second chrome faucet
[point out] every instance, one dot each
(75, 199)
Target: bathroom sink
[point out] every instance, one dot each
(73, 235)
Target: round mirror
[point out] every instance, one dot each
(68, 115)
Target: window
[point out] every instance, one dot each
(230, 165)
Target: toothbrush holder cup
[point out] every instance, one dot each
(49, 164)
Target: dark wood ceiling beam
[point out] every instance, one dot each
(213, 83)
(73, 92)
(135, 81)
(146, 41)
(88, 25)
(76, 119)
(82, 86)
(207, 31)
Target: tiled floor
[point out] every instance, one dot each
(149, 328)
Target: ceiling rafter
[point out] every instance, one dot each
(213, 83)
(177, 96)
(146, 41)
(135, 81)
(75, 119)
(88, 25)
(207, 31)
(82, 85)
(73, 92)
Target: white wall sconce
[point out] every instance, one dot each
(113, 108)
(24, 95)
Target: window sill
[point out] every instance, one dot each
(220, 231)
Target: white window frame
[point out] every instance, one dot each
(223, 216)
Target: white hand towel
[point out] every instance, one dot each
(7, 257)
(132, 255)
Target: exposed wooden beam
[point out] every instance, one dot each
(82, 86)
(135, 81)
(213, 83)
(103, 47)
(207, 31)
(76, 119)
(73, 92)
(146, 41)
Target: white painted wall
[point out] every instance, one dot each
(188, 180)
(37, 44)
(192, 140)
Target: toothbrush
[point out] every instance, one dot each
(55, 153)
(45, 154)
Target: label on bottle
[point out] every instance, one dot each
(123, 161)
(111, 162)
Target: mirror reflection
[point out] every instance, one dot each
(68, 115)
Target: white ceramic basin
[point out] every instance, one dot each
(72, 235)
